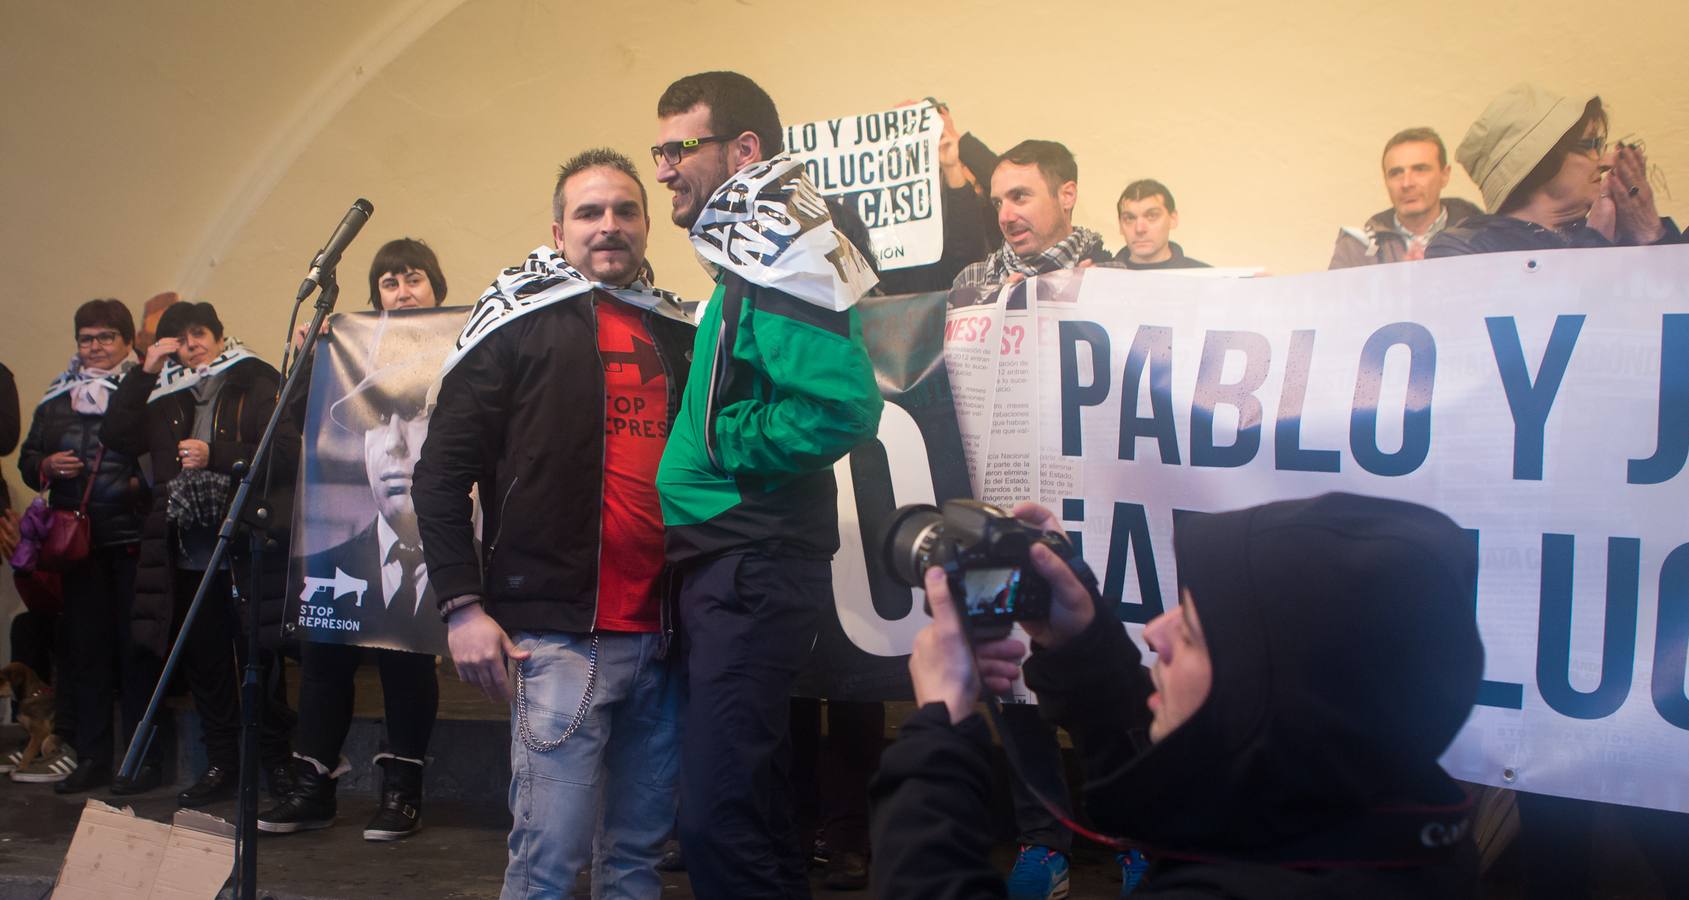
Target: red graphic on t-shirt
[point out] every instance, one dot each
(636, 426)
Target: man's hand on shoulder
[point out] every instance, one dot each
(479, 650)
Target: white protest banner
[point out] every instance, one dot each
(1541, 400)
(884, 167)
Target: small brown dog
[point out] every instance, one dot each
(33, 699)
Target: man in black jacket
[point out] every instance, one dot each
(556, 404)
(1322, 657)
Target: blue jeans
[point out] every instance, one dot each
(606, 794)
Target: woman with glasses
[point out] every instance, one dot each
(1550, 180)
(64, 458)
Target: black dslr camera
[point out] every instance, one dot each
(985, 552)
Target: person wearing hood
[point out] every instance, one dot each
(63, 457)
(1550, 180)
(1416, 171)
(1323, 655)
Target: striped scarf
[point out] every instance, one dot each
(1082, 244)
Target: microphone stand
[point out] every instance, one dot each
(258, 524)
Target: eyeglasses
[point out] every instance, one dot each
(1595, 145)
(103, 338)
(674, 151)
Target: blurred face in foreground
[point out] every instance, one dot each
(1183, 673)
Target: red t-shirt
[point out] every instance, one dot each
(636, 426)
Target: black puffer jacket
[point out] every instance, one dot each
(134, 426)
(119, 499)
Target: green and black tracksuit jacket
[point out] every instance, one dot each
(780, 389)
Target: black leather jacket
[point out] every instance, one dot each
(118, 502)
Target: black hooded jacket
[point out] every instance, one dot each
(1345, 657)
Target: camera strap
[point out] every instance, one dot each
(1402, 836)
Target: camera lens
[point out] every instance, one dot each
(910, 537)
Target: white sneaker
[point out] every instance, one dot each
(48, 768)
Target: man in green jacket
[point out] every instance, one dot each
(780, 389)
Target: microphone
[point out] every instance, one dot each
(329, 256)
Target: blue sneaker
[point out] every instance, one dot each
(1039, 874)
(1132, 869)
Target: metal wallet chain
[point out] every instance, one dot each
(527, 734)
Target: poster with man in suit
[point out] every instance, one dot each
(357, 576)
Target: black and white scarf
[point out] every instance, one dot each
(89, 388)
(542, 279)
(1068, 252)
(770, 226)
(177, 377)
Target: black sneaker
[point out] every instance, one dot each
(309, 807)
(147, 778)
(846, 871)
(303, 811)
(216, 785)
(88, 775)
(281, 780)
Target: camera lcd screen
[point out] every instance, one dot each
(991, 592)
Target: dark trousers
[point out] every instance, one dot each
(410, 694)
(212, 661)
(830, 777)
(750, 620)
(101, 658)
(1041, 764)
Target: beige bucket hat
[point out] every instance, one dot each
(1515, 133)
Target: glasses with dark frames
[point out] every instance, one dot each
(673, 152)
(103, 338)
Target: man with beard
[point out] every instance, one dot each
(782, 388)
(556, 403)
(1034, 189)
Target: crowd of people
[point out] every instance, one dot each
(643, 600)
